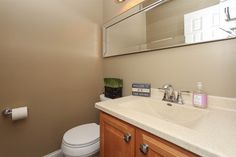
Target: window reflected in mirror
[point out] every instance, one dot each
(162, 24)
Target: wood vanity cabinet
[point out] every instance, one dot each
(120, 139)
(117, 137)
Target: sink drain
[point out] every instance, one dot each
(169, 104)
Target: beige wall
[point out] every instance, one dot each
(112, 9)
(50, 60)
(212, 63)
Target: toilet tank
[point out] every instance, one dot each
(103, 98)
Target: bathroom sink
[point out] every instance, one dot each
(204, 130)
(179, 114)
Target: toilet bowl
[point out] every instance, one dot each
(83, 140)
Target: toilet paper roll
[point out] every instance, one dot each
(19, 113)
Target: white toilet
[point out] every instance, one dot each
(83, 140)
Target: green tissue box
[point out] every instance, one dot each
(113, 87)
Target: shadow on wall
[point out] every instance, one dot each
(50, 61)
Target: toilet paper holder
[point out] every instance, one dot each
(7, 112)
(16, 113)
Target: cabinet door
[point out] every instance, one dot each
(117, 137)
(148, 145)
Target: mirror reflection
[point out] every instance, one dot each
(168, 23)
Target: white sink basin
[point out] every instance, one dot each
(175, 113)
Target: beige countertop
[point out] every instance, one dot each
(207, 132)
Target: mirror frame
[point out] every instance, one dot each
(141, 7)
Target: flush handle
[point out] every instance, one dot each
(143, 148)
(127, 137)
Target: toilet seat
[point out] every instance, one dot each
(81, 140)
(82, 136)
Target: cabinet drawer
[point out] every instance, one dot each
(148, 145)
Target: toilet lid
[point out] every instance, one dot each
(82, 136)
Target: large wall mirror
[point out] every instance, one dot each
(159, 24)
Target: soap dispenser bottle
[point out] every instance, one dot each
(200, 97)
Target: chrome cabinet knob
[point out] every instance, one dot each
(127, 137)
(143, 148)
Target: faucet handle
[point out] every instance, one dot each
(179, 98)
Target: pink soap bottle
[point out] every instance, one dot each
(200, 97)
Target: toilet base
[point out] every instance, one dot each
(93, 155)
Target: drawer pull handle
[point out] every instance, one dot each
(127, 137)
(143, 148)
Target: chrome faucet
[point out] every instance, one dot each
(170, 96)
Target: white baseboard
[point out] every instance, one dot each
(57, 153)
